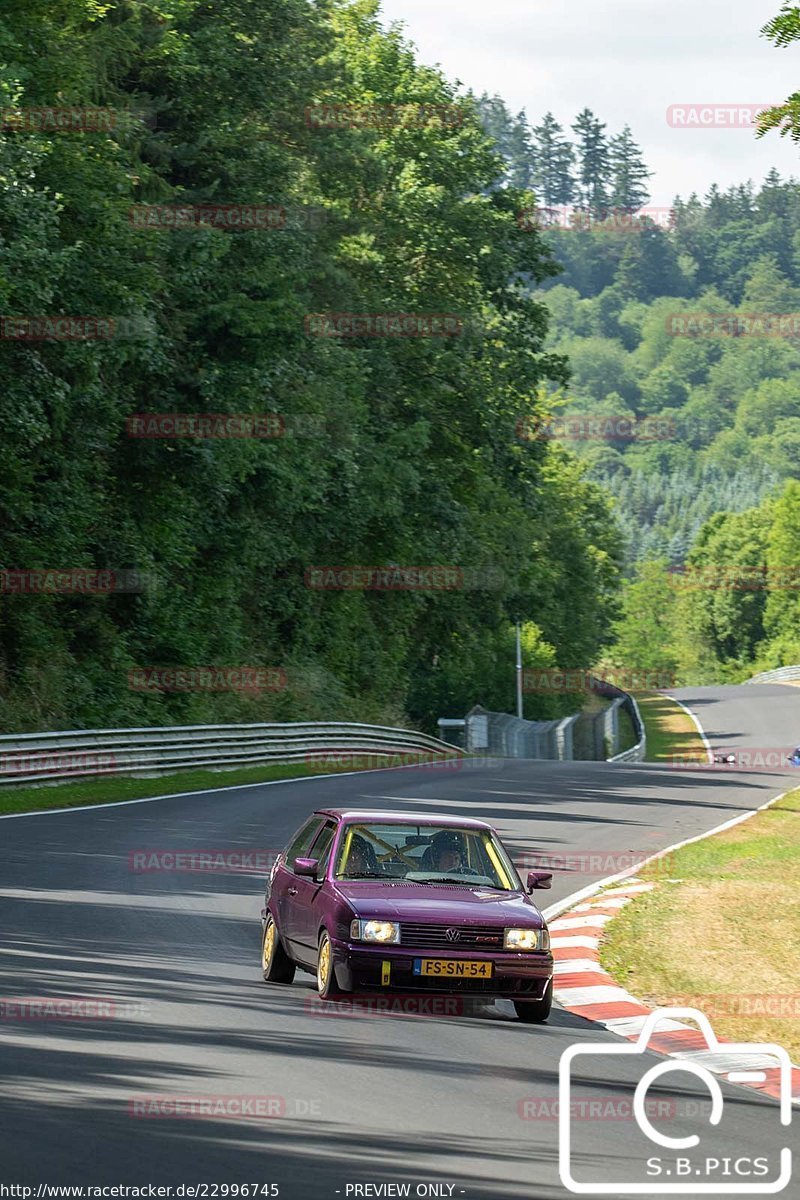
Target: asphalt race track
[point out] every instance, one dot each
(366, 1099)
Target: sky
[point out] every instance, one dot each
(630, 61)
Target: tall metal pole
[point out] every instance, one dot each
(519, 673)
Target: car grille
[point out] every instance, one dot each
(483, 937)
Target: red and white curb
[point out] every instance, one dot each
(582, 987)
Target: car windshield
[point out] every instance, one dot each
(425, 854)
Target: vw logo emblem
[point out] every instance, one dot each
(453, 935)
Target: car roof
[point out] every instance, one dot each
(382, 816)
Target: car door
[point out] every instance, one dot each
(302, 924)
(282, 889)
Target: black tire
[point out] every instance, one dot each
(276, 965)
(535, 1012)
(327, 987)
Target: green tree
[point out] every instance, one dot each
(782, 30)
(415, 461)
(553, 157)
(782, 610)
(644, 633)
(594, 161)
(629, 173)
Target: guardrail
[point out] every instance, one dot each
(776, 676)
(41, 757)
(638, 752)
(620, 699)
(586, 734)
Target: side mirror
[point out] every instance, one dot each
(539, 879)
(306, 866)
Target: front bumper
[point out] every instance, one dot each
(514, 975)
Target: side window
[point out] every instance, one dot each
(301, 844)
(322, 848)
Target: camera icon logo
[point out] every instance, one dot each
(656, 1162)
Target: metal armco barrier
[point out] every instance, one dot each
(581, 737)
(779, 675)
(40, 757)
(637, 752)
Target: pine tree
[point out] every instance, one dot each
(497, 123)
(629, 173)
(594, 166)
(553, 159)
(773, 199)
(767, 289)
(496, 120)
(520, 153)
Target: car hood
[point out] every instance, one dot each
(429, 903)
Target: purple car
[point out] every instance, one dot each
(381, 902)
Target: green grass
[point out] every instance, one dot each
(108, 790)
(671, 734)
(723, 935)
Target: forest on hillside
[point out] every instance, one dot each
(683, 341)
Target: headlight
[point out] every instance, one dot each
(384, 932)
(527, 939)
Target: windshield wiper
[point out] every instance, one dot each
(450, 879)
(367, 875)
(472, 883)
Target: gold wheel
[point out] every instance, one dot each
(276, 965)
(268, 949)
(324, 965)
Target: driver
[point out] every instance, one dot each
(447, 852)
(361, 858)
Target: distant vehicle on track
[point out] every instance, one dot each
(793, 759)
(376, 902)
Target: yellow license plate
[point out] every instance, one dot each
(452, 968)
